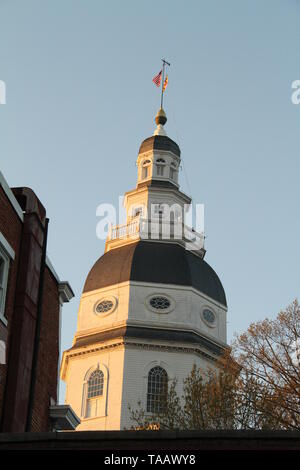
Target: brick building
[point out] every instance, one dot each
(31, 297)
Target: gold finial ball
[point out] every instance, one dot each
(161, 117)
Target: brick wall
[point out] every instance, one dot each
(11, 228)
(48, 355)
(26, 239)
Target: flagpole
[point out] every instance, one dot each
(162, 84)
(163, 81)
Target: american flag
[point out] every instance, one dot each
(157, 79)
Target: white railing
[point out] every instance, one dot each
(158, 230)
(125, 230)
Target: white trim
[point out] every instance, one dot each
(146, 189)
(175, 327)
(110, 298)
(103, 410)
(64, 417)
(11, 197)
(157, 153)
(147, 368)
(6, 260)
(3, 319)
(189, 348)
(51, 268)
(2, 352)
(7, 247)
(150, 325)
(156, 286)
(156, 310)
(65, 292)
(158, 363)
(214, 324)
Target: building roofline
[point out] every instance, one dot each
(52, 270)
(16, 206)
(11, 197)
(65, 290)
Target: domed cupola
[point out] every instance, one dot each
(156, 209)
(159, 157)
(151, 307)
(161, 263)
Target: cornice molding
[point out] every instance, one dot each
(144, 338)
(71, 353)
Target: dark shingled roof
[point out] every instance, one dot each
(159, 142)
(165, 263)
(153, 183)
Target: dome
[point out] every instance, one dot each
(159, 142)
(162, 263)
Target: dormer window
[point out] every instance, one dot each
(160, 166)
(173, 169)
(146, 169)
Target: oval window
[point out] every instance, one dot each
(209, 317)
(107, 305)
(160, 303)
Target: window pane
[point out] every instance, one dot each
(157, 390)
(160, 170)
(92, 408)
(95, 384)
(2, 264)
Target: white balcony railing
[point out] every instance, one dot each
(125, 230)
(158, 229)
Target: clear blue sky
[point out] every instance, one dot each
(80, 100)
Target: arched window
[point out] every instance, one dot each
(94, 393)
(157, 389)
(160, 166)
(145, 169)
(95, 384)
